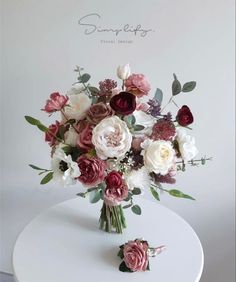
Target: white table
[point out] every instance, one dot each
(64, 244)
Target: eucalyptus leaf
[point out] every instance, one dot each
(94, 196)
(176, 87)
(130, 119)
(158, 96)
(83, 195)
(84, 78)
(136, 209)
(155, 193)
(136, 191)
(93, 90)
(138, 127)
(189, 86)
(47, 178)
(127, 206)
(179, 194)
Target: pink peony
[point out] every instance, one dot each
(50, 135)
(98, 112)
(55, 103)
(163, 130)
(138, 85)
(135, 255)
(114, 195)
(84, 139)
(92, 171)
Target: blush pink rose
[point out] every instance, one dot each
(138, 85)
(92, 171)
(55, 103)
(50, 135)
(135, 255)
(98, 112)
(84, 140)
(114, 195)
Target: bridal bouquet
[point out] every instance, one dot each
(116, 143)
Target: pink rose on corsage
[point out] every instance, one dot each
(138, 85)
(116, 190)
(98, 112)
(51, 134)
(84, 139)
(135, 255)
(92, 171)
(55, 103)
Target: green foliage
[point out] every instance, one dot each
(95, 196)
(158, 96)
(176, 86)
(124, 268)
(136, 209)
(37, 123)
(189, 86)
(155, 193)
(179, 194)
(136, 191)
(84, 78)
(47, 178)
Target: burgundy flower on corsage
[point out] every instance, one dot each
(55, 103)
(123, 103)
(184, 116)
(135, 255)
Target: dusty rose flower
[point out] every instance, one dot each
(50, 136)
(114, 179)
(136, 143)
(138, 85)
(184, 116)
(84, 139)
(123, 103)
(114, 195)
(55, 103)
(135, 255)
(98, 112)
(163, 130)
(92, 171)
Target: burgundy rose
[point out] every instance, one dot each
(184, 116)
(114, 179)
(138, 85)
(50, 135)
(92, 170)
(114, 195)
(98, 112)
(55, 103)
(84, 139)
(136, 255)
(123, 103)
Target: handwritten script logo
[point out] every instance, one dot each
(90, 23)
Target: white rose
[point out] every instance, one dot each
(78, 106)
(159, 156)
(71, 137)
(123, 72)
(187, 147)
(64, 169)
(111, 138)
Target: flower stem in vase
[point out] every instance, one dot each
(112, 219)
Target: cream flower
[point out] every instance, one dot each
(123, 72)
(187, 147)
(159, 156)
(71, 137)
(111, 138)
(138, 178)
(78, 106)
(64, 169)
(146, 120)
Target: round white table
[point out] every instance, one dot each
(64, 244)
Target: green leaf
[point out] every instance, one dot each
(47, 178)
(94, 196)
(67, 149)
(179, 194)
(128, 197)
(124, 268)
(83, 195)
(189, 86)
(176, 87)
(32, 120)
(136, 191)
(158, 96)
(84, 78)
(138, 127)
(121, 254)
(130, 120)
(155, 193)
(127, 206)
(71, 121)
(136, 209)
(93, 90)
(36, 167)
(42, 127)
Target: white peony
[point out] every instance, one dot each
(78, 106)
(111, 138)
(187, 147)
(146, 120)
(123, 72)
(159, 156)
(138, 178)
(64, 169)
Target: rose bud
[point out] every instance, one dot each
(184, 116)
(124, 103)
(123, 72)
(55, 103)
